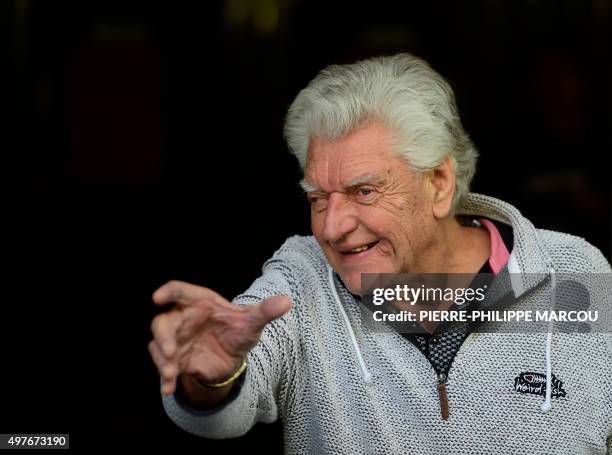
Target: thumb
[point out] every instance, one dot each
(273, 308)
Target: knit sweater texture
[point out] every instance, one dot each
(341, 388)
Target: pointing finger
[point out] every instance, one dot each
(184, 294)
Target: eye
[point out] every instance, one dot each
(364, 194)
(318, 201)
(313, 198)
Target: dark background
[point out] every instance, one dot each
(143, 142)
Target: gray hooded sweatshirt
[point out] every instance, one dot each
(341, 388)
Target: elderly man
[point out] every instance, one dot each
(387, 168)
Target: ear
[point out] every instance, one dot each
(442, 184)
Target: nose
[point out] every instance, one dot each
(339, 221)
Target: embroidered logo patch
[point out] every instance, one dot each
(535, 383)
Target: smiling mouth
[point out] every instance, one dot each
(360, 249)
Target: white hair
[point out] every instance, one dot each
(401, 91)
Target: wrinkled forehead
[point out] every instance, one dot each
(359, 157)
(333, 170)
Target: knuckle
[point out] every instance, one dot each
(155, 325)
(175, 317)
(243, 327)
(161, 325)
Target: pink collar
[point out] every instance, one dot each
(499, 253)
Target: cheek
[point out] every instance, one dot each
(385, 248)
(395, 232)
(385, 227)
(315, 225)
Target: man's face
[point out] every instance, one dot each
(367, 197)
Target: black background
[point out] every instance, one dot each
(143, 142)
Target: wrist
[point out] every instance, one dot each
(231, 378)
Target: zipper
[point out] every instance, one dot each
(443, 396)
(441, 377)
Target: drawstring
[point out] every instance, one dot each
(553, 285)
(367, 377)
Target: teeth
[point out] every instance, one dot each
(361, 248)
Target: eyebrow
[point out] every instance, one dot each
(368, 178)
(307, 186)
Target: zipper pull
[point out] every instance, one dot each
(443, 396)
